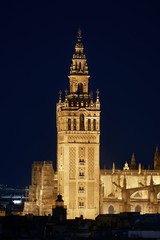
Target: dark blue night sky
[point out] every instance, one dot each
(122, 45)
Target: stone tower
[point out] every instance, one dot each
(43, 189)
(78, 141)
(132, 163)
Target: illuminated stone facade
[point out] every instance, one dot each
(85, 189)
(43, 190)
(131, 189)
(78, 141)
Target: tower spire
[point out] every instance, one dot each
(157, 159)
(79, 77)
(79, 36)
(79, 63)
(133, 162)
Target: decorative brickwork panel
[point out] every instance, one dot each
(82, 139)
(91, 195)
(72, 195)
(72, 163)
(90, 163)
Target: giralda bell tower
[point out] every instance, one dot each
(78, 141)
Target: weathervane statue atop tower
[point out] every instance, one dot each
(79, 34)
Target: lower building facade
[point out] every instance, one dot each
(120, 190)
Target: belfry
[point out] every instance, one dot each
(78, 141)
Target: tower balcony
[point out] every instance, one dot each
(81, 192)
(81, 177)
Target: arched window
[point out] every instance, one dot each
(80, 88)
(81, 173)
(94, 124)
(89, 124)
(81, 204)
(81, 161)
(111, 209)
(137, 208)
(74, 124)
(69, 124)
(81, 189)
(82, 122)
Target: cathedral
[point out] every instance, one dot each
(86, 189)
